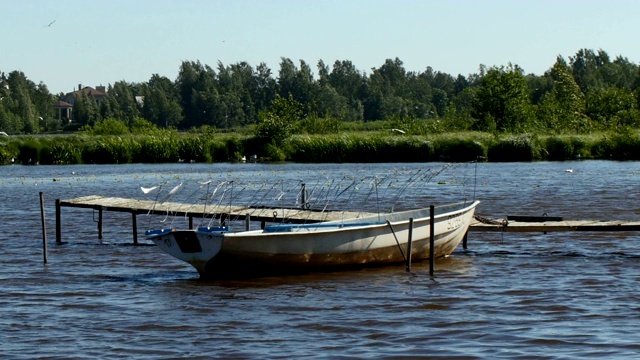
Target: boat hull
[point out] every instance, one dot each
(375, 241)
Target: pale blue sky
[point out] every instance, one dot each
(101, 42)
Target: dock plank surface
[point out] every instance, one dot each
(294, 215)
(137, 206)
(502, 225)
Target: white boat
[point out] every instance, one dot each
(376, 240)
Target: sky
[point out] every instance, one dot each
(64, 43)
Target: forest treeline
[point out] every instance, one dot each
(586, 93)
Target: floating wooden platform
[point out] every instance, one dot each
(136, 207)
(257, 213)
(504, 225)
(294, 215)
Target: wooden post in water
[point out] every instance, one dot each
(432, 232)
(100, 224)
(247, 222)
(134, 222)
(58, 226)
(303, 196)
(190, 222)
(409, 241)
(44, 229)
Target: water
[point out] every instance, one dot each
(559, 295)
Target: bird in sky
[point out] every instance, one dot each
(51, 23)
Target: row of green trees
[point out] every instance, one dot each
(587, 92)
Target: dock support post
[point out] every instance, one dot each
(431, 238)
(247, 222)
(58, 226)
(134, 222)
(100, 224)
(303, 196)
(409, 241)
(190, 222)
(44, 229)
(464, 240)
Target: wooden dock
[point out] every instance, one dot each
(137, 207)
(295, 215)
(506, 225)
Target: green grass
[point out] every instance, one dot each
(351, 146)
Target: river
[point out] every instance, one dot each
(509, 295)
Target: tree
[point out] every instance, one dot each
(196, 87)
(620, 73)
(237, 87)
(277, 122)
(19, 92)
(85, 110)
(390, 78)
(502, 101)
(612, 107)
(298, 83)
(122, 101)
(585, 65)
(264, 88)
(43, 104)
(349, 84)
(161, 106)
(386, 90)
(563, 108)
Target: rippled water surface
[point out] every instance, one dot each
(556, 295)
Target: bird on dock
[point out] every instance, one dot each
(148, 190)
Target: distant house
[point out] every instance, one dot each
(99, 93)
(65, 110)
(65, 106)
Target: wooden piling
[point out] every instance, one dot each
(431, 238)
(44, 229)
(100, 224)
(58, 226)
(303, 196)
(409, 241)
(247, 222)
(134, 223)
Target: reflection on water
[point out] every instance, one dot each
(560, 295)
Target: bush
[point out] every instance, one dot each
(110, 150)
(156, 149)
(459, 149)
(192, 148)
(109, 126)
(517, 148)
(8, 153)
(559, 148)
(61, 152)
(29, 151)
(627, 145)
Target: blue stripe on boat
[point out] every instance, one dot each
(155, 232)
(290, 227)
(214, 229)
